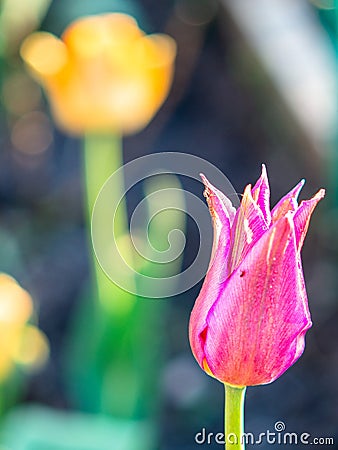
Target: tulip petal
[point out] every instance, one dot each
(222, 213)
(248, 227)
(249, 322)
(91, 36)
(45, 54)
(256, 327)
(104, 75)
(287, 203)
(261, 195)
(205, 300)
(218, 203)
(303, 215)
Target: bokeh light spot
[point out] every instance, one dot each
(32, 133)
(20, 94)
(33, 349)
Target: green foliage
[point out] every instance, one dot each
(38, 428)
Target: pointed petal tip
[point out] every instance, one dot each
(303, 215)
(299, 186)
(208, 186)
(204, 178)
(320, 194)
(317, 197)
(217, 201)
(263, 179)
(264, 171)
(296, 190)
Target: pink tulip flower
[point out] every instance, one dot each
(249, 321)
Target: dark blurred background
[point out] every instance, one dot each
(250, 87)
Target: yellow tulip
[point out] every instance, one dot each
(21, 342)
(103, 75)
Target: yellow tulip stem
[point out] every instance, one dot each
(234, 417)
(102, 157)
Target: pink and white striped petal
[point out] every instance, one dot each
(261, 195)
(287, 203)
(303, 215)
(256, 327)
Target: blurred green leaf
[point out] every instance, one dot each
(41, 428)
(114, 360)
(17, 19)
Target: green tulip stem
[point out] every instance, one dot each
(102, 157)
(234, 417)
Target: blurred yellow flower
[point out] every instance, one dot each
(21, 342)
(104, 74)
